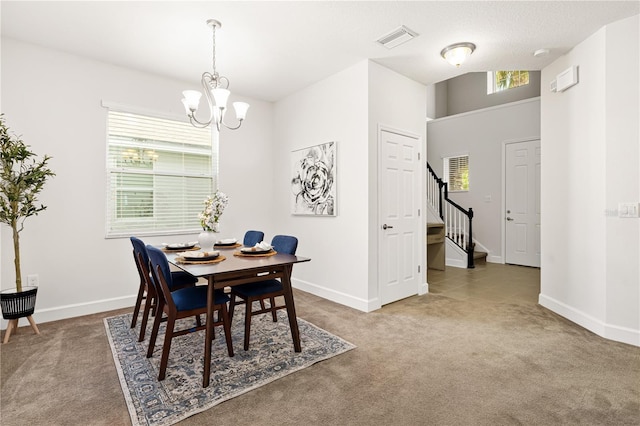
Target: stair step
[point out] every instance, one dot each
(479, 255)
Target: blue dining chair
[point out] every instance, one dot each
(251, 238)
(262, 290)
(182, 303)
(147, 291)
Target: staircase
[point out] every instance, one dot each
(458, 222)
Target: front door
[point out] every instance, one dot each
(522, 203)
(399, 220)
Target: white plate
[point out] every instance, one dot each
(226, 241)
(200, 255)
(254, 250)
(178, 246)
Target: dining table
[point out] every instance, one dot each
(234, 268)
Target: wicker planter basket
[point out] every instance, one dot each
(18, 305)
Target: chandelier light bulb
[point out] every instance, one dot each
(191, 100)
(241, 109)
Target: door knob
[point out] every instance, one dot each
(385, 226)
(509, 219)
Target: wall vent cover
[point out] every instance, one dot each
(397, 37)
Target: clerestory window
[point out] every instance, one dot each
(498, 81)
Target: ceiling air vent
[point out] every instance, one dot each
(396, 37)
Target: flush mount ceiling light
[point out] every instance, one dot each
(457, 53)
(216, 89)
(540, 53)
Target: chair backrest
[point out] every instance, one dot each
(251, 238)
(285, 244)
(140, 249)
(161, 274)
(141, 258)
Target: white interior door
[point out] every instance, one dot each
(522, 203)
(399, 226)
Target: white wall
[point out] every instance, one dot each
(468, 92)
(344, 108)
(590, 150)
(54, 100)
(334, 109)
(623, 172)
(399, 103)
(482, 135)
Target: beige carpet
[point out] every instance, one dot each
(430, 359)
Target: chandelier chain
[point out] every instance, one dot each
(213, 60)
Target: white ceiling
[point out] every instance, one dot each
(269, 50)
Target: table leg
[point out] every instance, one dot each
(207, 338)
(291, 308)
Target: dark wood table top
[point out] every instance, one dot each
(235, 263)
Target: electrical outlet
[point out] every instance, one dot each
(628, 209)
(32, 280)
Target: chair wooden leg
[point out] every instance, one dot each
(272, 301)
(145, 317)
(136, 310)
(33, 324)
(232, 305)
(247, 323)
(154, 330)
(226, 325)
(164, 360)
(13, 324)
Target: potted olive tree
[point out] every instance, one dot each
(22, 177)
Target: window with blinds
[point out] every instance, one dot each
(159, 173)
(456, 172)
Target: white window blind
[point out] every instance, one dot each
(456, 172)
(159, 173)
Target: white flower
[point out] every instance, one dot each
(213, 208)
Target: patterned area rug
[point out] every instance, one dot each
(180, 394)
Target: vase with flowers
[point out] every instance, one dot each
(210, 219)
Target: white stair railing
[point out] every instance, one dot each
(433, 192)
(456, 225)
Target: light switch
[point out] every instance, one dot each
(628, 209)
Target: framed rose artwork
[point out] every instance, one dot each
(313, 180)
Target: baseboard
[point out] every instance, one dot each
(608, 331)
(69, 311)
(495, 259)
(336, 296)
(456, 263)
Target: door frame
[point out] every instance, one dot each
(503, 207)
(422, 286)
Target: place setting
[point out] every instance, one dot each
(176, 247)
(199, 257)
(261, 249)
(227, 243)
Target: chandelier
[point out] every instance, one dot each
(216, 89)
